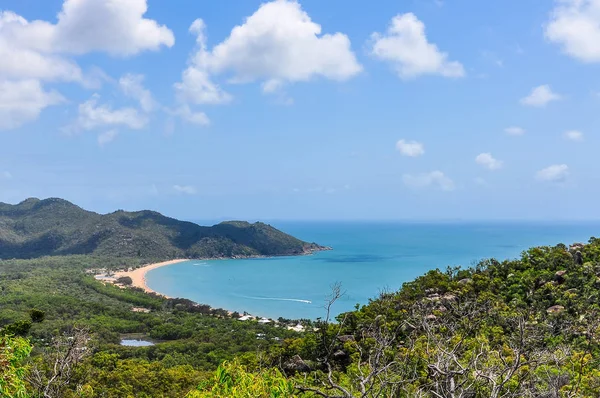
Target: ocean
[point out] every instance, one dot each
(367, 258)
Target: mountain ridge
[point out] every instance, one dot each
(40, 227)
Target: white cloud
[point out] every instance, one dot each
(405, 46)
(410, 148)
(574, 135)
(40, 50)
(132, 86)
(20, 58)
(271, 86)
(185, 189)
(116, 27)
(22, 101)
(5, 175)
(554, 173)
(107, 137)
(198, 118)
(278, 43)
(514, 130)
(488, 161)
(540, 96)
(575, 26)
(435, 179)
(197, 87)
(37, 49)
(92, 115)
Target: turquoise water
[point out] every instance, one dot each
(367, 258)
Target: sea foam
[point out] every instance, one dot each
(276, 299)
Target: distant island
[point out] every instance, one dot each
(50, 227)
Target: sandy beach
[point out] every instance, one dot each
(138, 276)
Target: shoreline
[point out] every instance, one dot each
(138, 275)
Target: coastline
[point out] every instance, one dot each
(138, 275)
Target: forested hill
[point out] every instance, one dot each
(35, 228)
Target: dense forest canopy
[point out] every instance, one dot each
(35, 228)
(516, 328)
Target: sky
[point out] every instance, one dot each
(309, 110)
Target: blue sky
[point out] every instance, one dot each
(423, 109)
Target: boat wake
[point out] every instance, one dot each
(202, 264)
(277, 299)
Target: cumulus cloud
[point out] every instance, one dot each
(22, 60)
(410, 148)
(197, 87)
(194, 117)
(22, 101)
(406, 47)
(132, 86)
(41, 50)
(574, 135)
(185, 189)
(277, 44)
(488, 161)
(575, 26)
(38, 49)
(554, 173)
(434, 179)
(107, 137)
(93, 115)
(514, 130)
(116, 27)
(540, 96)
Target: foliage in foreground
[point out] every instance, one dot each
(13, 353)
(233, 380)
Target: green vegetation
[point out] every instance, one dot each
(234, 380)
(35, 228)
(521, 328)
(48, 298)
(13, 352)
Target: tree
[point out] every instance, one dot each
(36, 315)
(19, 328)
(13, 353)
(51, 376)
(232, 380)
(125, 280)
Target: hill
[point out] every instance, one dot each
(35, 228)
(528, 327)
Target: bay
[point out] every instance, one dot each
(368, 257)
